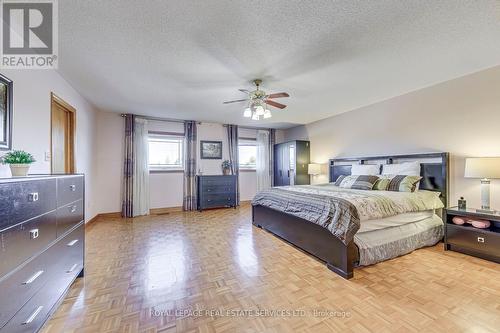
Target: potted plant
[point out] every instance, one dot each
(19, 162)
(226, 167)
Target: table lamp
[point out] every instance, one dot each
(484, 168)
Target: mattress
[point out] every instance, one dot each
(341, 210)
(387, 243)
(394, 221)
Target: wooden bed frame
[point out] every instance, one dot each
(320, 242)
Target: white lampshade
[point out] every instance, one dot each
(314, 169)
(255, 116)
(267, 114)
(259, 110)
(482, 167)
(247, 113)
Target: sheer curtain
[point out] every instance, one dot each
(141, 168)
(263, 157)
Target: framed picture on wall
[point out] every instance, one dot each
(211, 150)
(5, 113)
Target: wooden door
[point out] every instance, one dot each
(62, 136)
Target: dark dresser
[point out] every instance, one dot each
(42, 240)
(216, 191)
(482, 243)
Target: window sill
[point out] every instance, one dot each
(167, 171)
(248, 170)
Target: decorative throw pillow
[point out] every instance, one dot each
(339, 180)
(348, 181)
(382, 184)
(364, 182)
(402, 183)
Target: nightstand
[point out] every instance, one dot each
(482, 243)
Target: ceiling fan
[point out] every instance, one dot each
(258, 101)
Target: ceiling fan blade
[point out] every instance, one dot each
(236, 101)
(278, 95)
(244, 91)
(275, 104)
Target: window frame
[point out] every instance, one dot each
(168, 135)
(247, 142)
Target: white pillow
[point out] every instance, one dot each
(365, 170)
(404, 169)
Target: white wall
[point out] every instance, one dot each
(166, 189)
(461, 116)
(31, 124)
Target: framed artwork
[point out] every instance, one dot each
(211, 150)
(5, 113)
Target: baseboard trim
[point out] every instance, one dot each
(166, 210)
(153, 211)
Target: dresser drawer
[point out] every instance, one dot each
(23, 241)
(26, 200)
(218, 200)
(71, 251)
(218, 180)
(208, 189)
(69, 189)
(59, 264)
(473, 239)
(68, 216)
(17, 288)
(65, 269)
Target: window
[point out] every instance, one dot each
(166, 152)
(247, 154)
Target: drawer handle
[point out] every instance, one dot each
(32, 197)
(72, 209)
(72, 188)
(72, 268)
(33, 277)
(73, 242)
(480, 239)
(33, 315)
(34, 233)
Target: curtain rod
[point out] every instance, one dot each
(198, 122)
(160, 119)
(251, 127)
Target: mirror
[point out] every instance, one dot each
(5, 113)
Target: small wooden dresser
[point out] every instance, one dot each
(216, 191)
(42, 240)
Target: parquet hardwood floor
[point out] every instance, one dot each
(140, 271)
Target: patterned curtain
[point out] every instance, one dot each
(272, 141)
(232, 139)
(189, 202)
(128, 168)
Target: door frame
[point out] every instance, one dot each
(54, 99)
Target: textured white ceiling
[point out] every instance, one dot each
(182, 59)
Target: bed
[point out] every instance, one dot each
(361, 235)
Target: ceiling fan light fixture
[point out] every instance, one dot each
(267, 114)
(255, 116)
(259, 110)
(247, 113)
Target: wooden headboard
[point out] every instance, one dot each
(433, 169)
